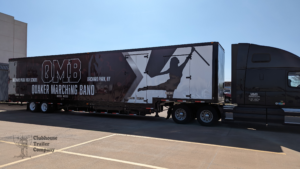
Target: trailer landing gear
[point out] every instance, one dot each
(169, 113)
(156, 115)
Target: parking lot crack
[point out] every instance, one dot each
(213, 159)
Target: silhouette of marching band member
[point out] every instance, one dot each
(175, 73)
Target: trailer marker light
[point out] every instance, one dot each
(164, 100)
(115, 113)
(103, 112)
(132, 114)
(181, 100)
(149, 108)
(50, 103)
(200, 101)
(59, 103)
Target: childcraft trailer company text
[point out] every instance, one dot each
(188, 79)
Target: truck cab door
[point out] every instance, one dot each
(265, 86)
(254, 91)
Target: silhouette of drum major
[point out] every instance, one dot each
(175, 73)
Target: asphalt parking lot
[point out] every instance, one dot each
(107, 141)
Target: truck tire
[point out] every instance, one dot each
(207, 116)
(33, 107)
(45, 108)
(181, 114)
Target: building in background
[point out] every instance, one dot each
(13, 38)
(13, 44)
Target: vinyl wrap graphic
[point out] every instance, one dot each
(3, 81)
(178, 64)
(135, 76)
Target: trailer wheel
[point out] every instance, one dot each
(207, 116)
(181, 114)
(45, 107)
(32, 106)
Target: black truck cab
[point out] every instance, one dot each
(265, 85)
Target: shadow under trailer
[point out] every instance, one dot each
(186, 79)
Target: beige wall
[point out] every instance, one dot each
(13, 38)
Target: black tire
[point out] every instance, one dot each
(182, 114)
(45, 108)
(207, 116)
(33, 106)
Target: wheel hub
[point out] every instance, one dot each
(32, 106)
(44, 107)
(180, 114)
(206, 116)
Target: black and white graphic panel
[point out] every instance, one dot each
(185, 74)
(201, 73)
(164, 84)
(138, 62)
(179, 70)
(154, 81)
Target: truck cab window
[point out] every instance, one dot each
(294, 79)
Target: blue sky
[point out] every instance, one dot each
(75, 26)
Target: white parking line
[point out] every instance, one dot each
(79, 154)
(26, 159)
(111, 159)
(7, 142)
(121, 161)
(205, 144)
(86, 142)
